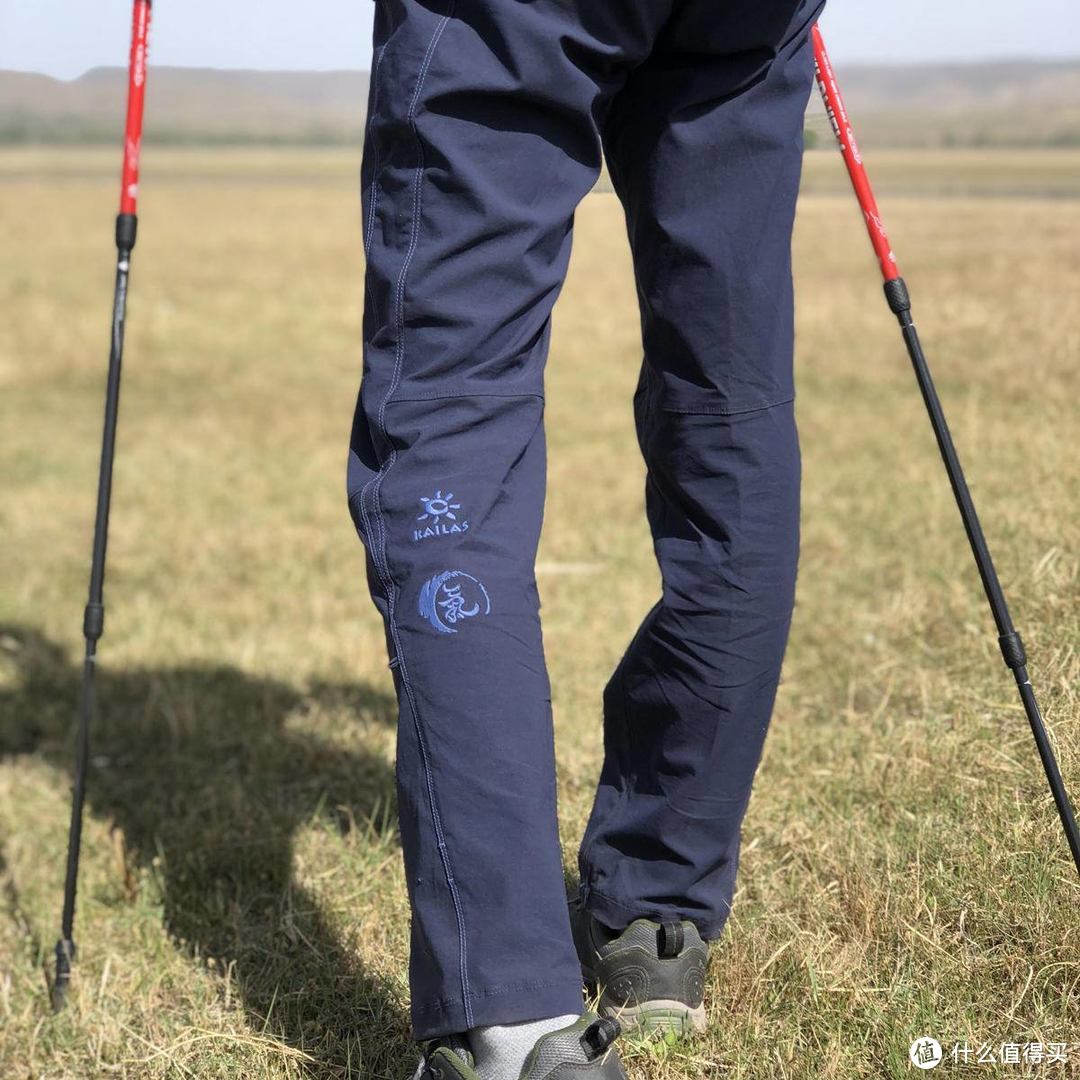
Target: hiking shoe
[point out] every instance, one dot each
(582, 1051)
(651, 975)
(445, 1059)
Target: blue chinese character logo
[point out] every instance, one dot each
(451, 597)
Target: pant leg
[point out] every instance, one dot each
(481, 141)
(709, 176)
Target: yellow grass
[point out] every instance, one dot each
(241, 907)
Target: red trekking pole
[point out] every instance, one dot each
(896, 292)
(94, 615)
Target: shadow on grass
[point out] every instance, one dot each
(198, 768)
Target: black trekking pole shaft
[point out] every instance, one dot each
(896, 292)
(1009, 640)
(94, 613)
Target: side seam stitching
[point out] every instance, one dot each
(373, 488)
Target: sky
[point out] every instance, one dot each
(64, 39)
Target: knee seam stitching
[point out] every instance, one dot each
(720, 410)
(373, 488)
(451, 395)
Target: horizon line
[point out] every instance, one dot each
(1004, 60)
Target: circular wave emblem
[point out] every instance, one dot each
(451, 598)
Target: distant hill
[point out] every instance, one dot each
(188, 105)
(1015, 103)
(1005, 103)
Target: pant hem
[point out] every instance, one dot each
(509, 1004)
(618, 915)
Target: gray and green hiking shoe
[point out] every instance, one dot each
(445, 1059)
(651, 975)
(582, 1051)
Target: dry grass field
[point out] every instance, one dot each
(242, 908)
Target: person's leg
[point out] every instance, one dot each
(481, 142)
(705, 149)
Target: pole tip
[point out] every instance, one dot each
(65, 955)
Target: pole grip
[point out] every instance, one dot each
(127, 226)
(896, 292)
(140, 34)
(1012, 650)
(849, 147)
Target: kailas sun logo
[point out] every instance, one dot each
(452, 597)
(440, 518)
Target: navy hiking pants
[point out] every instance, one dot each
(487, 120)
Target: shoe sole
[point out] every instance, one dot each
(658, 1017)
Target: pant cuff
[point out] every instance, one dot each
(617, 915)
(509, 1004)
